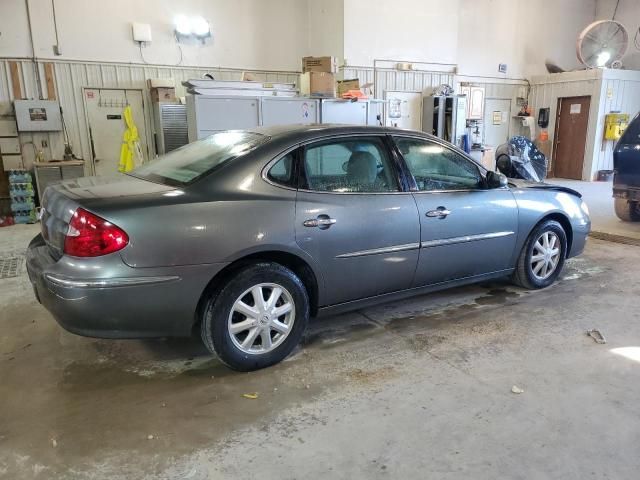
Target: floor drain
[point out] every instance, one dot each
(9, 266)
(610, 237)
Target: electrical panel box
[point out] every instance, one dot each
(38, 115)
(614, 125)
(141, 32)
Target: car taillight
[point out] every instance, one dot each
(92, 236)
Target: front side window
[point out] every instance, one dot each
(194, 160)
(435, 167)
(358, 165)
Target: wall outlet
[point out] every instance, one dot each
(56, 50)
(44, 143)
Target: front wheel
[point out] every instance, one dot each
(542, 256)
(257, 318)
(626, 210)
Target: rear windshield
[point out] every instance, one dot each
(190, 162)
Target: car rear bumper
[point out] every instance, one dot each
(129, 303)
(626, 192)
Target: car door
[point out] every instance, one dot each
(466, 229)
(354, 219)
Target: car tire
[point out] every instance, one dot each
(247, 333)
(626, 210)
(538, 265)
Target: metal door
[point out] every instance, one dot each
(366, 244)
(570, 137)
(478, 236)
(105, 119)
(497, 117)
(465, 228)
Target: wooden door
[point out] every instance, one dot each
(570, 137)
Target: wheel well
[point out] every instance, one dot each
(292, 262)
(566, 225)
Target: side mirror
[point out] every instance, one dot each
(496, 180)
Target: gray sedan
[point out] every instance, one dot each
(244, 235)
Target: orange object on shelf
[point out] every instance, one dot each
(351, 94)
(544, 135)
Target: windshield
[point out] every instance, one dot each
(190, 162)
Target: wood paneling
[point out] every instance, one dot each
(49, 78)
(14, 71)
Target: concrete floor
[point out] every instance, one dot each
(598, 196)
(416, 389)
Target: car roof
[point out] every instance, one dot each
(296, 133)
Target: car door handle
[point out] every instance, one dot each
(439, 212)
(323, 222)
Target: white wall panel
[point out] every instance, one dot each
(71, 77)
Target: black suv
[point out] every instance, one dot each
(626, 182)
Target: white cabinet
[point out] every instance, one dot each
(475, 101)
(344, 112)
(285, 111)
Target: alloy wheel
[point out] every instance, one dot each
(261, 318)
(546, 255)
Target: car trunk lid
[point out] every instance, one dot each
(60, 201)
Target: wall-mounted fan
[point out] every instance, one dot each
(602, 44)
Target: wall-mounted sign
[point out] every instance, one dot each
(497, 118)
(37, 114)
(575, 109)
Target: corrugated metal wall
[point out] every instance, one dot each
(617, 95)
(71, 77)
(385, 79)
(546, 91)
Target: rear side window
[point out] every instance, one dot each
(359, 165)
(190, 162)
(282, 171)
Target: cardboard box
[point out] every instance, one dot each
(163, 94)
(318, 84)
(319, 64)
(346, 85)
(161, 83)
(11, 162)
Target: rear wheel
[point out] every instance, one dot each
(542, 256)
(626, 210)
(257, 318)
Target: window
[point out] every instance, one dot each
(188, 163)
(435, 167)
(358, 165)
(282, 171)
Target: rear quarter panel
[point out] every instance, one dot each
(200, 230)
